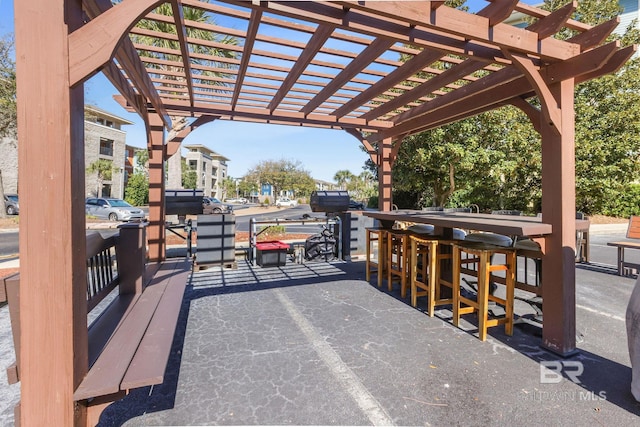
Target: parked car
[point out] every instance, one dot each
(285, 201)
(113, 209)
(11, 204)
(353, 204)
(237, 200)
(214, 205)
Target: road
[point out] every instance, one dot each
(8, 244)
(297, 212)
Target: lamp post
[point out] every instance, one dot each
(122, 183)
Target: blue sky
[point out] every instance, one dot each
(322, 152)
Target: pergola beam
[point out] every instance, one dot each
(315, 44)
(181, 31)
(182, 108)
(472, 27)
(498, 11)
(595, 35)
(324, 12)
(451, 75)
(249, 41)
(108, 24)
(113, 73)
(553, 22)
(375, 49)
(409, 68)
(105, 30)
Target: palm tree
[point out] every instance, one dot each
(190, 14)
(342, 177)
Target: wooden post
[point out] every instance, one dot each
(385, 181)
(53, 314)
(131, 255)
(558, 209)
(157, 154)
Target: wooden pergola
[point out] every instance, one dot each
(322, 64)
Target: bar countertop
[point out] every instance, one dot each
(502, 224)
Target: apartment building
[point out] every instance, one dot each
(631, 11)
(210, 166)
(105, 139)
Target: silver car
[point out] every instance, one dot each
(11, 204)
(113, 209)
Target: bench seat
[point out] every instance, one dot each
(623, 265)
(136, 351)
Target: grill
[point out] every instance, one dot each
(183, 202)
(329, 201)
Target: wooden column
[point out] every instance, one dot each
(558, 209)
(53, 313)
(156, 231)
(385, 181)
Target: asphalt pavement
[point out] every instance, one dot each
(315, 344)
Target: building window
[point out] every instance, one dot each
(100, 120)
(106, 190)
(106, 147)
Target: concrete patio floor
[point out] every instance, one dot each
(315, 344)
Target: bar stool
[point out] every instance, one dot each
(398, 259)
(426, 257)
(376, 265)
(483, 253)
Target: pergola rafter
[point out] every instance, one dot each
(378, 70)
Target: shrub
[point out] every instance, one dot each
(137, 191)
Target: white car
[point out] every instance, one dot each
(285, 201)
(239, 200)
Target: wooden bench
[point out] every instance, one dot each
(633, 232)
(131, 337)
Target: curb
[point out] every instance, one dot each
(608, 228)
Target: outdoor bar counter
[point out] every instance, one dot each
(508, 225)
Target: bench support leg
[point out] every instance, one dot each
(99, 404)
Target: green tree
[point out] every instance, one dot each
(283, 175)
(137, 191)
(8, 110)
(303, 184)
(104, 170)
(142, 162)
(248, 187)
(208, 37)
(8, 106)
(189, 176)
(343, 177)
(607, 123)
(494, 159)
(229, 187)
